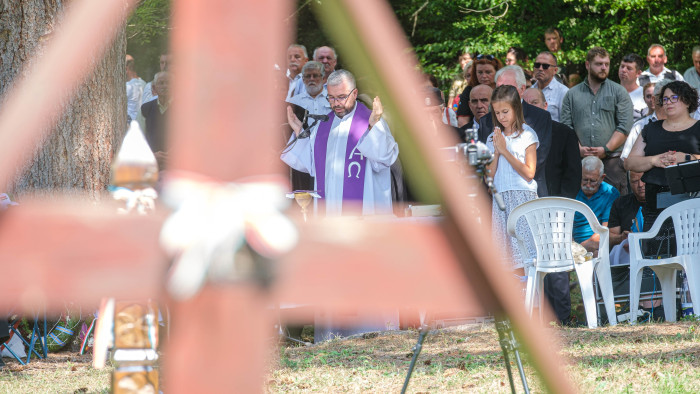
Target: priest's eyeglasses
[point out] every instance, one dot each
(341, 99)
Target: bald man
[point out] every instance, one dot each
(479, 102)
(328, 57)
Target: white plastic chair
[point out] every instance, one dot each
(686, 223)
(550, 220)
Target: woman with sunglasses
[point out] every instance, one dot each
(483, 72)
(666, 142)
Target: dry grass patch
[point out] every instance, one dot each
(646, 358)
(63, 372)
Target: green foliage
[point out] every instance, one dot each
(149, 22)
(443, 28)
(147, 34)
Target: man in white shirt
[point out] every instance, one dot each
(134, 89)
(630, 69)
(313, 98)
(656, 57)
(350, 154)
(545, 68)
(692, 75)
(296, 59)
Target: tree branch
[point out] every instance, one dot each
(506, 2)
(301, 7)
(415, 16)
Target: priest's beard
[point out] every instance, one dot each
(342, 110)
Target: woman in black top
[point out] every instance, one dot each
(483, 72)
(666, 142)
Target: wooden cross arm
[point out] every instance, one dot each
(381, 265)
(56, 251)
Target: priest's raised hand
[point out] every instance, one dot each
(377, 111)
(293, 121)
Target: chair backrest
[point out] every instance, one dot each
(550, 220)
(686, 223)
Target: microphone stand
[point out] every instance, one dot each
(304, 133)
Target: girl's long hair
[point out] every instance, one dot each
(509, 94)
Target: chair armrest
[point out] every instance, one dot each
(633, 239)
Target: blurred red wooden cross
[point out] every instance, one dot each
(224, 124)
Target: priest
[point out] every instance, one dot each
(350, 154)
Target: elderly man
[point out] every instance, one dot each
(328, 57)
(630, 69)
(545, 68)
(134, 89)
(540, 120)
(599, 196)
(600, 111)
(656, 57)
(692, 75)
(313, 98)
(563, 168)
(296, 59)
(148, 93)
(350, 154)
(153, 117)
(479, 102)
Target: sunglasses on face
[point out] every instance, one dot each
(543, 66)
(487, 57)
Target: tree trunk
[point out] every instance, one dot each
(75, 156)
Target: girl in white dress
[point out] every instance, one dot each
(514, 145)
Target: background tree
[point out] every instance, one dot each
(440, 29)
(77, 154)
(147, 35)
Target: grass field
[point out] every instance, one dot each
(656, 358)
(647, 358)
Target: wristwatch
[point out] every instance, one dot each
(607, 151)
(687, 157)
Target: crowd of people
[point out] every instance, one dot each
(552, 133)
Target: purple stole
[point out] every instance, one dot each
(355, 162)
